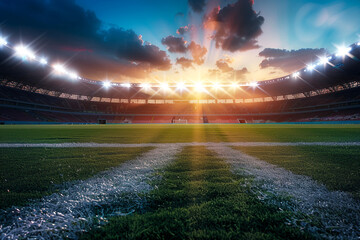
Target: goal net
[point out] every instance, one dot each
(180, 121)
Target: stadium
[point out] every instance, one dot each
(325, 91)
(107, 136)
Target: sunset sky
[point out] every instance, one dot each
(181, 40)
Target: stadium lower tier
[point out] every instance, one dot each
(20, 115)
(18, 106)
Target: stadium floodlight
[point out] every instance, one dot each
(31, 55)
(180, 86)
(59, 68)
(3, 42)
(145, 86)
(107, 84)
(24, 52)
(73, 75)
(216, 85)
(164, 86)
(323, 60)
(253, 84)
(296, 75)
(343, 51)
(199, 87)
(234, 85)
(127, 85)
(310, 67)
(43, 61)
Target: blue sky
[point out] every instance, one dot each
(298, 24)
(137, 40)
(309, 23)
(289, 24)
(153, 19)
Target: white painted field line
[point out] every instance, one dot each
(64, 214)
(124, 145)
(337, 211)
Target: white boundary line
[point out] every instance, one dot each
(87, 203)
(337, 211)
(55, 215)
(130, 145)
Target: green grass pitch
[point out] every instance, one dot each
(197, 196)
(144, 133)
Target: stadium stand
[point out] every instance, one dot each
(30, 94)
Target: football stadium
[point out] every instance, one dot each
(186, 119)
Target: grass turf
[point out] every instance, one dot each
(166, 133)
(34, 172)
(336, 167)
(198, 197)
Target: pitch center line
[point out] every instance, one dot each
(131, 145)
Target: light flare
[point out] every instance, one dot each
(106, 84)
(3, 42)
(24, 52)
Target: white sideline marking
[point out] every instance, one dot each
(54, 216)
(86, 203)
(130, 145)
(336, 210)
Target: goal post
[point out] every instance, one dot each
(180, 121)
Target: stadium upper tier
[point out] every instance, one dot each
(19, 65)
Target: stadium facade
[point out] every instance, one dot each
(30, 92)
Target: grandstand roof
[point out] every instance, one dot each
(339, 70)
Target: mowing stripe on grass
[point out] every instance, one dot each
(121, 145)
(32, 173)
(198, 197)
(337, 212)
(64, 214)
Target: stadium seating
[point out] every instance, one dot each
(331, 93)
(22, 106)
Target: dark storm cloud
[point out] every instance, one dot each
(236, 26)
(184, 62)
(96, 66)
(197, 5)
(289, 61)
(224, 67)
(178, 45)
(241, 72)
(197, 52)
(62, 28)
(185, 29)
(128, 45)
(182, 30)
(175, 44)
